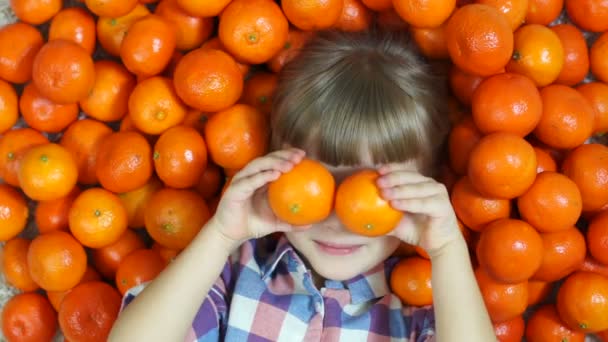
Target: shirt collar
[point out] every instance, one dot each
(368, 286)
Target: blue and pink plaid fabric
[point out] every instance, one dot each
(266, 293)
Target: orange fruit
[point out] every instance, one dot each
(236, 136)
(304, 195)
(196, 119)
(312, 15)
(538, 291)
(108, 100)
(47, 172)
(111, 31)
(424, 13)
(15, 212)
(544, 161)
(215, 43)
(208, 80)
(154, 106)
(576, 62)
(544, 325)
(510, 250)
(563, 253)
(167, 254)
(361, 208)
(35, 12)
(480, 39)
(56, 297)
(462, 139)
(173, 217)
(82, 139)
(589, 15)
(504, 302)
(582, 302)
(63, 71)
(28, 317)
(567, 119)
(43, 114)
(587, 166)
(19, 44)
(210, 182)
(9, 106)
(180, 157)
(502, 165)
(537, 53)
(597, 237)
(14, 265)
(508, 103)
(355, 17)
(411, 281)
(514, 10)
(378, 5)
(53, 215)
(543, 12)
(75, 24)
(140, 266)
(294, 43)
(56, 261)
(203, 8)
(553, 203)
(463, 84)
(97, 218)
(511, 330)
(110, 8)
(431, 42)
(107, 259)
(475, 210)
(191, 30)
(13, 145)
(253, 30)
(88, 312)
(259, 91)
(135, 201)
(148, 45)
(598, 55)
(124, 161)
(597, 95)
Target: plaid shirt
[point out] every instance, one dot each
(266, 293)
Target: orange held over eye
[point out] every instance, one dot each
(253, 30)
(312, 15)
(56, 261)
(361, 208)
(568, 118)
(304, 195)
(507, 103)
(510, 250)
(208, 80)
(88, 312)
(502, 165)
(552, 203)
(411, 281)
(97, 218)
(63, 71)
(14, 212)
(47, 172)
(173, 217)
(480, 39)
(582, 302)
(29, 317)
(424, 13)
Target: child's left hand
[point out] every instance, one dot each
(429, 220)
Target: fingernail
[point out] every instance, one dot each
(381, 182)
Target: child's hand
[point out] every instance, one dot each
(243, 212)
(430, 221)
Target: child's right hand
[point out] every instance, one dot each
(243, 212)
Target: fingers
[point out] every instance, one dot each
(394, 178)
(414, 190)
(244, 187)
(393, 167)
(282, 161)
(433, 206)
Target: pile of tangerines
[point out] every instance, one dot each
(122, 120)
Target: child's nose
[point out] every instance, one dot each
(332, 222)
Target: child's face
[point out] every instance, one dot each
(333, 251)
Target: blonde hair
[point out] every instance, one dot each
(348, 92)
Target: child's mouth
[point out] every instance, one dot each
(336, 249)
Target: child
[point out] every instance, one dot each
(351, 101)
